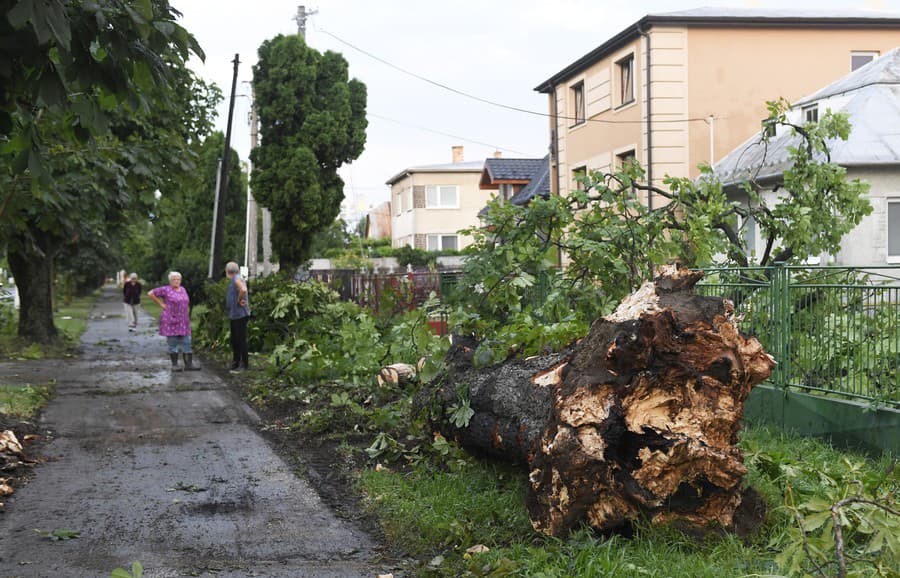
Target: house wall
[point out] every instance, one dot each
(733, 72)
(412, 223)
(593, 144)
(867, 243)
(729, 73)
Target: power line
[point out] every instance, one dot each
(487, 101)
(457, 137)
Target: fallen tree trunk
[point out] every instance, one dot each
(640, 418)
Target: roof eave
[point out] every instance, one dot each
(650, 20)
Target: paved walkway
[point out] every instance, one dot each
(163, 468)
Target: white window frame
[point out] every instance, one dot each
(439, 204)
(887, 220)
(873, 53)
(438, 238)
(398, 210)
(409, 198)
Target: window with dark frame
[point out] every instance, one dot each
(811, 113)
(626, 79)
(578, 174)
(578, 102)
(624, 159)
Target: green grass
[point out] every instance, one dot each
(431, 511)
(71, 319)
(151, 307)
(23, 401)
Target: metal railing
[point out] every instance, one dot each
(833, 330)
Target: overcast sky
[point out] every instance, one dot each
(495, 49)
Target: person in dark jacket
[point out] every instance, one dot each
(238, 305)
(132, 293)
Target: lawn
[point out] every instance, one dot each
(70, 319)
(438, 512)
(23, 401)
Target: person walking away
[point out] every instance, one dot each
(175, 321)
(131, 292)
(238, 304)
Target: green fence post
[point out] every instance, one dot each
(780, 285)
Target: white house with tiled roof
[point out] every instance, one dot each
(870, 96)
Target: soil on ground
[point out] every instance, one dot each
(171, 469)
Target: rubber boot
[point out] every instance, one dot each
(189, 362)
(174, 358)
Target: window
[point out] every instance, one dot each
(409, 198)
(811, 113)
(748, 232)
(626, 79)
(893, 210)
(398, 205)
(768, 128)
(577, 174)
(507, 191)
(624, 159)
(861, 58)
(578, 102)
(443, 243)
(441, 197)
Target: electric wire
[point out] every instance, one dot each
(419, 127)
(488, 101)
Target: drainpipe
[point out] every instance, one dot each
(649, 122)
(554, 157)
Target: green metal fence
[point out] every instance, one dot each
(834, 330)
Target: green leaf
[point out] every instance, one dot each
(98, 52)
(120, 573)
(145, 8)
(815, 521)
(137, 569)
(21, 13)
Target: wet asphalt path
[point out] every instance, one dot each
(165, 468)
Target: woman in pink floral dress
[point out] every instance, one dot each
(175, 320)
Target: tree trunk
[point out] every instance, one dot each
(639, 419)
(34, 281)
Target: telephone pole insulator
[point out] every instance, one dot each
(300, 19)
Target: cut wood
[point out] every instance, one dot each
(639, 418)
(398, 373)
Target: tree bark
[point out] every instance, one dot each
(638, 419)
(33, 273)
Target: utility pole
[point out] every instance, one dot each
(251, 246)
(212, 240)
(300, 19)
(221, 193)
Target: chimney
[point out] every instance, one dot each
(457, 154)
(497, 154)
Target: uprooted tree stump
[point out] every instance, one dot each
(638, 419)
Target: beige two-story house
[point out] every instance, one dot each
(431, 203)
(678, 89)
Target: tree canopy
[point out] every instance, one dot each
(96, 111)
(613, 242)
(312, 121)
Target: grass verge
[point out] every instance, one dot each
(70, 320)
(23, 401)
(438, 513)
